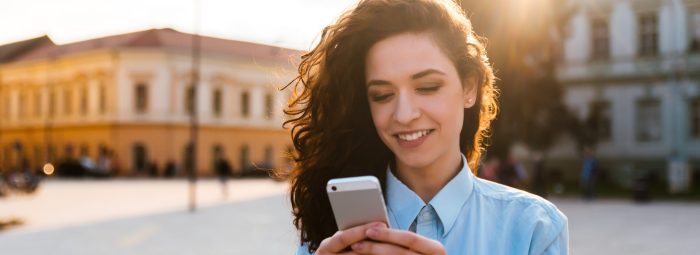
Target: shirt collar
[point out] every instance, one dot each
(406, 204)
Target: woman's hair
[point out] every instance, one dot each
(331, 124)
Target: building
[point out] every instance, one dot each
(131, 95)
(634, 66)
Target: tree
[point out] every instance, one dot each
(524, 42)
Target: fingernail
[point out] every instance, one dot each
(357, 246)
(372, 232)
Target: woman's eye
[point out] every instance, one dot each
(381, 97)
(429, 89)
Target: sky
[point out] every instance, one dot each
(293, 24)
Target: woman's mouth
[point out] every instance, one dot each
(412, 139)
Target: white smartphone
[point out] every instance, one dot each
(356, 201)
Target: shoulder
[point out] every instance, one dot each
(529, 222)
(529, 216)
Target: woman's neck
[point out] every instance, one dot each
(427, 181)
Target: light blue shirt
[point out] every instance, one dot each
(475, 216)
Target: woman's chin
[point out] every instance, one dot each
(413, 160)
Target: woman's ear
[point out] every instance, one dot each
(470, 88)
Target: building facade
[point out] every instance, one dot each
(634, 67)
(131, 96)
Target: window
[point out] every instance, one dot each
(6, 106)
(37, 104)
(139, 157)
(245, 104)
(84, 150)
(68, 151)
(6, 154)
(21, 106)
(269, 106)
(38, 158)
(103, 99)
(695, 118)
(601, 120)
(51, 153)
(67, 100)
(52, 103)
(601, 41)
(648, 35)
(216, 102)
(190, 94)
(695, 31)
(245, 157)
(83, 100)
(141, 97)
(648, 120)
(269, 155)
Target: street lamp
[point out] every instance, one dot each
(196, 66)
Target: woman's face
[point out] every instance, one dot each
(416, 98)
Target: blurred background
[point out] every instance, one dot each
(150, 127)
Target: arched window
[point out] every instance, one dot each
(190, 99)
(83, 100)
(245, 104)
(67, 102)
(245, 156)
(269, 156)
(141, 98)
(140, 157)
(217, 101)
(102, 98)
(269, 106)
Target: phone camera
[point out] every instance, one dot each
(334, 188)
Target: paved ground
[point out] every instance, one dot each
(150, 217)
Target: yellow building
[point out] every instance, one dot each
(130, 95)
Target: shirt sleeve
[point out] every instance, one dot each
(561, 244)
(549, 231)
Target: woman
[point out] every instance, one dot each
(403, 90)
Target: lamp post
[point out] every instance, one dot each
(196, 66)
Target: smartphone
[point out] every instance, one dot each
(356, 201)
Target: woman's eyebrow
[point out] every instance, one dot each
(413, 77)
(377, 83)
(425, 73)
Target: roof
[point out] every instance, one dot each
(9, 52)
(164, 38)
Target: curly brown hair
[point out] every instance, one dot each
(331, 124)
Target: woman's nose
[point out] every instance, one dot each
(406, 109)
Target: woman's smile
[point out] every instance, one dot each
(412, 139)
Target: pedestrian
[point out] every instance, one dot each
(103, 168)
(153, 169)
(589, 168)
(170, 169)
(223, 170)
(403, 90)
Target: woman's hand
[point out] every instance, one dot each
(338, 243)
(390, 241)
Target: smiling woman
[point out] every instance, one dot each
(409, 102)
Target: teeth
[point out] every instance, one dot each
(413, 136)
